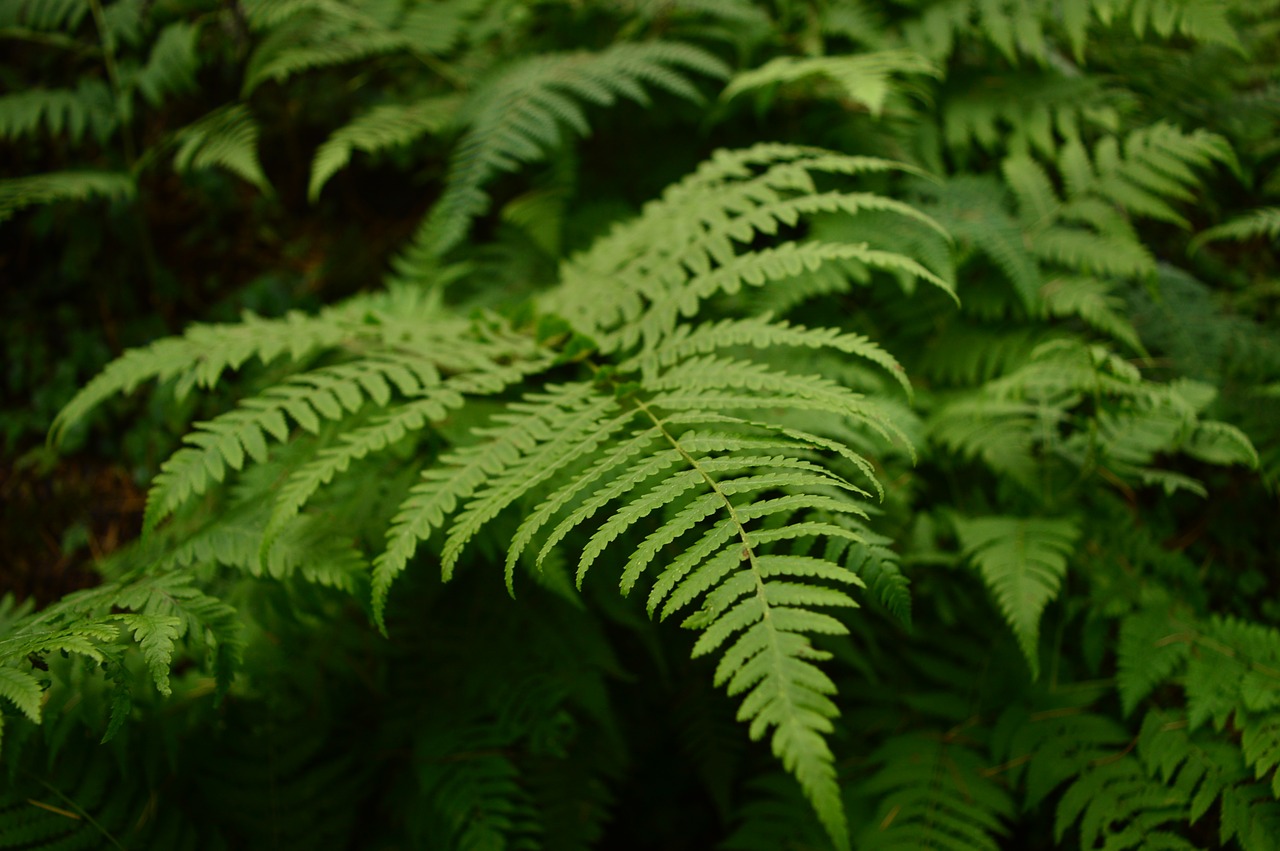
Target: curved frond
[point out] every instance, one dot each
(381, 128)
(520, 115)
(17, 193)
(864, 78)
(1022, 562)
(225, 138)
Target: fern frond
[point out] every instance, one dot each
(89, 108)
(305, 35)
(762, 332)
(1093, 301)
(1208, 771)
(1156, 164)
(225, 138)
(19, 192)
(1263, 222)
(385, 430)
(460, 473)
(934, 792)
(1151, 648)
(1022, 562)
(682, 249)
(172, 65)
(52, 15)
(379, 129)
(333, 393)
(155, 635)
(521, 115)
(1117, 803)
(203, 353)
(865, 78)
(23, 690)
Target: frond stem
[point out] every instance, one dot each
(76, 808)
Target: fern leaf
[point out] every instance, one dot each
(22, 690)
(864, 78)
(52, 15)
(204, 352)
(460, 474)
(225, 138)
(1152, 647)
(17, 193)
(520, 115)
(934, 792)
(329, 394)
(762, 332)
(1022, 561)
(172, 65)
(379, 129)
(155, 634)
(576, 435)
(89, 108)
(682, 248)
(1118, 803)
(385, 430)
(278, 59)
(1263, 222)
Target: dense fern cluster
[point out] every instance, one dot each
(921, 428)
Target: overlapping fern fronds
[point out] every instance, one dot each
(666, 460)
(523, 112)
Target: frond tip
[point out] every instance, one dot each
(1022, 562)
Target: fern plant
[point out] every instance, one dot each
(912, 434)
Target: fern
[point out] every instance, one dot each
(172, 65)
(87, 109)
(521, 114)
(225, 138)
(304, 35)
(864, 78)
(19, 192)
(1264, 222)
(381, 128)
(933, 793)
(1023, 562)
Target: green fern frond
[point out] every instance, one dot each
(1199, 20)
(864, 78)
(1263, 222)
(1209, 771)
(225, 138)
(332, 393)
(683, 248)
(519, 116)
(1117, 803)
(379, 129)
(302, 36)
(1025, 113)
(204, 352)
(89, 108)
(460, 473)
(19, 192)
(1155, 164)
(385, 430)
(157, 611)
(51, 15)
(23, 690)
(762, 332)
(1022, 561)
(934, 792)
(172, 65)
(1151, 648)
(1094, 302)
